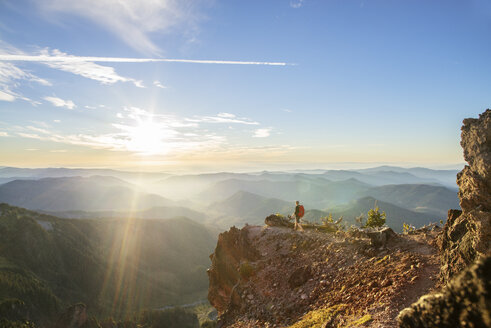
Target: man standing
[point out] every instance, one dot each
(299, 212)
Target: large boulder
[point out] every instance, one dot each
(278, 221)
(467, 234)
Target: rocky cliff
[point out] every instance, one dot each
(465, 244)
(276, 277)
(467, 234)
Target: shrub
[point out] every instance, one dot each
(375, 218)
(407, 228)
(327, 219)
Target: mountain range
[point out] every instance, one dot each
(94, 193)
(227, 198)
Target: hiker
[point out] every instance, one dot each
(299, 212)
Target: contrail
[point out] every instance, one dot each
(75, 59)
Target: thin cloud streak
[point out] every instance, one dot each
(79, 59)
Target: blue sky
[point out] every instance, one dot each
(352, 82)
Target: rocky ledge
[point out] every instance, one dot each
(276, 277)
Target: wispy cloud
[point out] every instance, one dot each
(82, 66)
(58, 102)
(140, 132)
(10, 78)
(10, 96)
(262, 133)
(159, 84)
(296, 3)
(3, 134)
(72, 64)
(223, 118)
(131, 21)
(61, 57)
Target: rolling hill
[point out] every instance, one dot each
(436, 200)
(96, 193)
(162, 212)
(396, 215)
(245, 207)
(313, 192)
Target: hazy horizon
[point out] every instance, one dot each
(284, 167)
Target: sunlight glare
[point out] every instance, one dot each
(149, 138)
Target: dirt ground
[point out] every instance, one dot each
(366, 286)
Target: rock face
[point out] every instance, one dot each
(229, 265)
(467, 234)
(465, 303)
(465, 243)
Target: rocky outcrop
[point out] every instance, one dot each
(467, 234)
(277, 221)
(229, 265)
(465, 244)
(272, 276)
(466, 302)
(379, 237)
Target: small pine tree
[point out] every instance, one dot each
(375, 218)
(327, 219)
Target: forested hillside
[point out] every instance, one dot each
(114, 266)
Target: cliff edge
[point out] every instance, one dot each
(276, 277)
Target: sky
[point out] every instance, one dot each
(202, 85)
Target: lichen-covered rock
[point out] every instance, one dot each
(466, 302)
(467, 235)
(277, 221)
(380, 236)
(232, 251)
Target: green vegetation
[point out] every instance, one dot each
(173, 318)
(316, 318)
(206, 314)
(407, 228)
(375, 218)
(246, 270)
(116, 267)
(13, 314)
(327, 219)
(360, 322)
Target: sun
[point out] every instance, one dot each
(149, 138)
